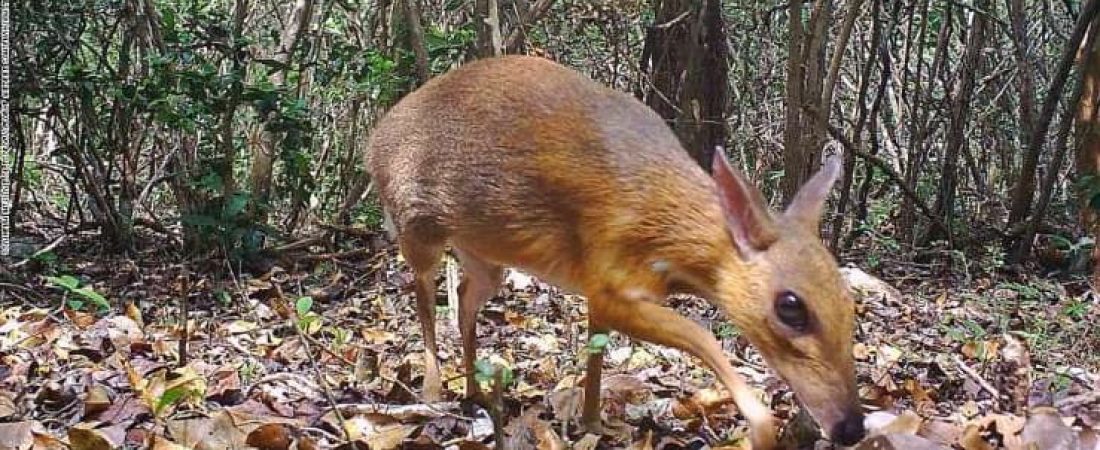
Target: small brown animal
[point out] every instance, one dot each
(521, 162)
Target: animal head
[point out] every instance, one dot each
(787, 294)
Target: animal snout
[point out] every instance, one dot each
(850, 430)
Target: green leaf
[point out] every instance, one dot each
(48, 258)
(506, 376)
(168, 16)
(484, 370)
(598, 341)
(66, 281)
(236, 204)
(170, 397)
(94, 296)
(303, 305)
(1061, 242)
(310, 323)
(199, 220)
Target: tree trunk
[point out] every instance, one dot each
(1088, 144)
(1025, 185)
(793, 147)
(959, 116)
(924, 99)
(1024, 190)
(701, 124)
(802, 135)
(516, 40)
(860, 121)
(1089, 61)
(488, 28)
(662, 59)
(688, 61)
(416, 40)
(263, 157)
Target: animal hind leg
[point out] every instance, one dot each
(480, 281)
(423, 257)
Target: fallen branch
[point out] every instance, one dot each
(1078, 400)
(299, 244)
(977, 378)
(321, 382)
(403, 412)
(336, 255)
(352, 231)
(41, 252)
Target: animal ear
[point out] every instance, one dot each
(747, 218)
(806, 207)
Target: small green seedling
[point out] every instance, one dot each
(72, 285)
(308, 321)
(597, 343)
(223, 297)
(485, 372)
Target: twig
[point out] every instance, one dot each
(300, 244)
(672, 22)
(401, 412)
(184, 309)
(286, 376)
(324, 386)
(497, 410)
(884, 166)
(451, 282)
(1078, 400)
(977, 378)
(331, 352)
(41, 252)
(323, 432)
(399, 383)
(336, 255)
(53, 314)
(25, 289)
(535, 12)
(353, 231)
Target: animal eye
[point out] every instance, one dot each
(791, 310)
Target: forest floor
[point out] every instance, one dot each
(969, 361)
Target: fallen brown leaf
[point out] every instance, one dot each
(943, 432)
(97, 400)
(1045, 430)
(86, 436)
(161, 443)
(224, 429)
(16, 435)
(899, 442)
(588, 442)
(270, 436)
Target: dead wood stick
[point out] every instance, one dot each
(41, 252)
(321, 382)
(1078, 400)
(977, 378)
(401, 412)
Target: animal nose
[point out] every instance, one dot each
(849, 431)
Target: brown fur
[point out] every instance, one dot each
(517, 161)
